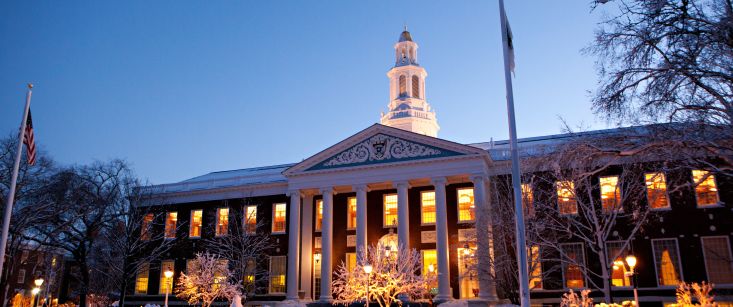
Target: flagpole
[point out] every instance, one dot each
(13, 180)
(516, 179)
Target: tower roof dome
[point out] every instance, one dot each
(405, 36)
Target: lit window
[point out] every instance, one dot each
(427, 200)
(527, 200)
(610, 193)
(196, 218)
(390, 210)
(466, 211)
(147, 227)
(616, 256)
(705, 189)
(319, 215)
(430, 264)
(415, 86)
(141, 280)
(317, 279)
(250, 221)
(222, 221)
(656, 190)
(350, 261)
(566, 197)
(575, 260)
(277, 274)
(467, 274)
(249, 272)
(535, 267)
(21, 276)
(278, 217)
(666, 257)
(351, 213)
(222, 266)
(170, 224)
(718, 259)
(166, 284)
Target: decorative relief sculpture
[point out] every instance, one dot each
(381, 147)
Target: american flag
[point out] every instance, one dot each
(29, 141)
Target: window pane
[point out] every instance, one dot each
(21, 276)
(667, 262)
(527, 200)
(351, 213)
(166, 284)
(575, 260)
(430, 264)
(147, 227)
(319, 215)
(566, 197)
(656, 190)
(465, 205)
(141, 280)
(616, 256)
(706, 190)
(427, 199)
(350, 261)
(610, 193)
(390, 210)
(195, 230)
(250, 219)
(535, 267)
(403, 86)
(467, 277)
(170, 224)
(222, 221)
(415, 87)
(278, 217)
(277, 274)
(718, 260)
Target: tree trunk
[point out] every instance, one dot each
(84, 284)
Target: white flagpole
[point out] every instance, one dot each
(516, 179)
(14, 179)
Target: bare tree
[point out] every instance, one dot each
(208, 278)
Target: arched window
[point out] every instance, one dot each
(415, 87)
(403, 86)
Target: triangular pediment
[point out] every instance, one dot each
(380, 144)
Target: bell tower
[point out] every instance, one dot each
(408, 109)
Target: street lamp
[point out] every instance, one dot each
(34, 292)
(38, 282)
(368, 270)
(168, 274)
(631, 262)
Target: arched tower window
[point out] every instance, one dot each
(415, 87)
(403, 86)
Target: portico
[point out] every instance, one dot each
(381, 161)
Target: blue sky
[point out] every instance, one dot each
(183, 88)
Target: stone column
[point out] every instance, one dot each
(306, 255)
(487, 291)
(326, 245)
(403, 215)
(441, 232)
(293, 245)
(361, 222)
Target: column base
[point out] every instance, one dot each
(325, 299)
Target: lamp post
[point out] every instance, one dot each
(368, 270)
(38, 282)
(168, 275)
(631, 262)
(34, 292)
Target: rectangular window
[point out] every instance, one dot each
(278, 217)
(24, 256)
(249, 272)
(319, 214)
(196, 219)
(610, 193)
(166, 284)
(147, 227)
(527, 200)
(427, 201)
(430, 264)
(574, 261)
(566, 197)
(466, 211)
(617, 257)
(219, 272)
(667, 262)
(705, 188)
(222, 222)
(656, 190)
(250, 219)
(141, 280)
(351, 213)
(351, 261)
(21, 276)
(390, 210)
(718, 259)
(317, 274)
(467, 276)
(535, 267)
(277, 274)
(171, 219)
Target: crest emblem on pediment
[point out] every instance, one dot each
(381, 148)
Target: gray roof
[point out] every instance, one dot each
(405, 36)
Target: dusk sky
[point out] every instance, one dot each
(183, 88)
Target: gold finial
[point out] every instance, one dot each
(30, 85)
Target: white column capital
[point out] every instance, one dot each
(293, 192)
(326, 190)
(401, 184)
(438, 181)
(360, 187)
(478, 178)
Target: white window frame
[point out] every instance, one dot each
(384, 211)
(269, 272)
(216, 225)
(557, 199)
(694, 190)
(704, 254)
(585, 263)
(162, 276)
(679, 263)
(190, 224)
(165, 226)
(619, 197)
(628, 251)
(458, 206)
(348, 210)
(666, 192)
(245, 219)
(315, 216)
(274, 211)
(137, 274)
(21, 276)
(435, 206)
